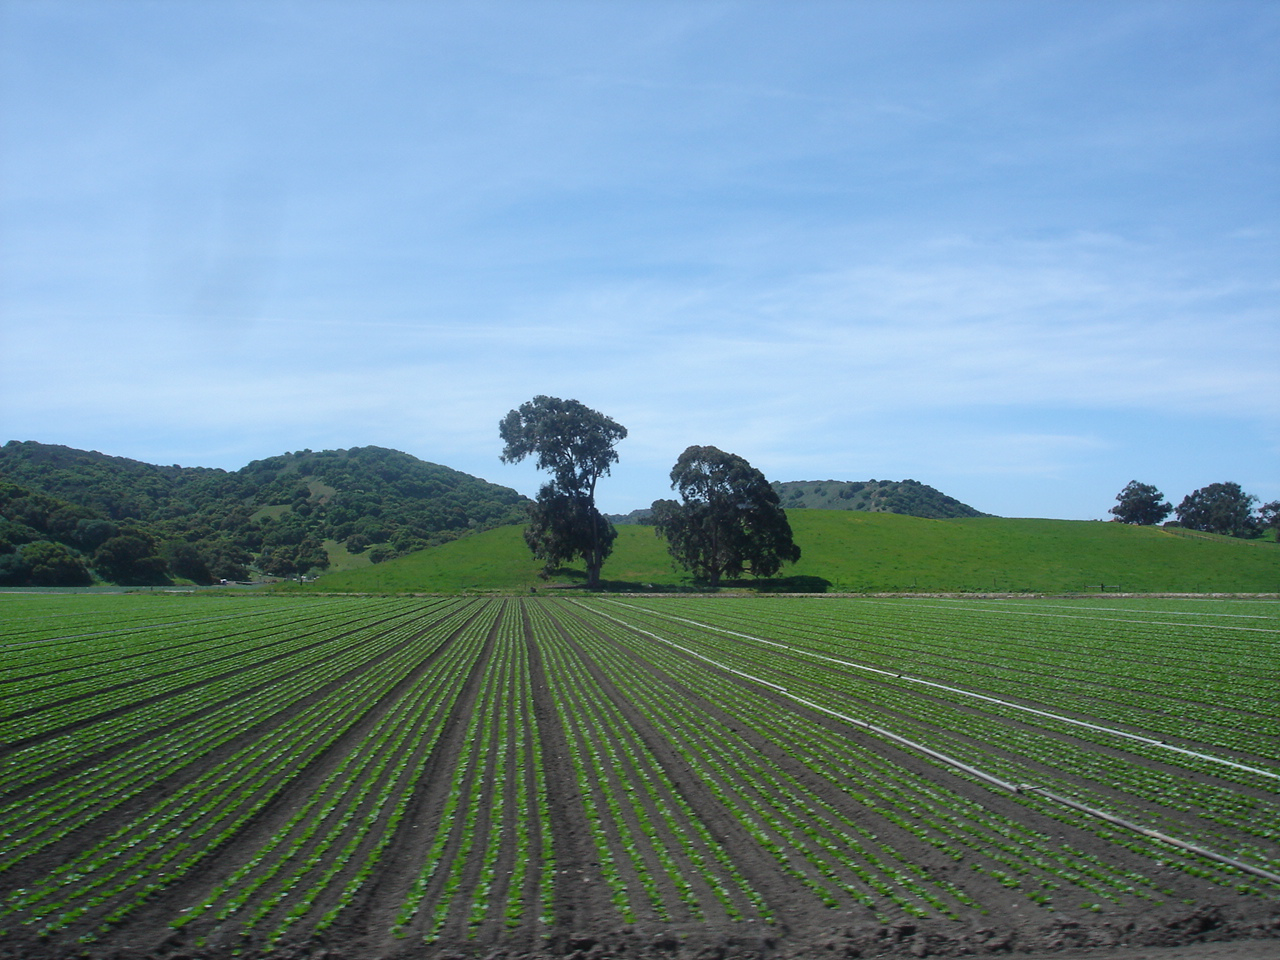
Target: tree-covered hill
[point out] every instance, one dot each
(273, 515)
(907, 497)
(44, 541)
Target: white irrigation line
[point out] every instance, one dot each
(977, 696)
(952, 761)
(1063, 606)
(1069, 616)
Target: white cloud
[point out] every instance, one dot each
(839, 240)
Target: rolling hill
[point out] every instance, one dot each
(908, 497)
(279, 515)
(850, 551)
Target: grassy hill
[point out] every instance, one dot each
(872, 552)
(910, 497)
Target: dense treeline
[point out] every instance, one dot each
(272, 516)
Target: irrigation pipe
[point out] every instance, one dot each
(1149, 741)
(1163, 613)
(1021, 788)
(1073, 616)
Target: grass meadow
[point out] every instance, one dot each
(855, 552)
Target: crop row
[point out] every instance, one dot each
(1061, 672)
(1014, 747)
(237, 777)
(658, 857)
(1139, 666)
(477, 773)
(846, 783)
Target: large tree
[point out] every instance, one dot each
(729, 519)
(1140, 503)
(1219, 508)
(576, 444)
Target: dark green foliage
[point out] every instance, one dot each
(1140, 503)
(53, 565)
(270, 507)
(576, 444)
(729, 520)
(42, 538)
(13, 569)
(560, 527)
(641, 515)
(185, 560)
(91, 534)
(131, 557)
(572, 441)
(907, 497)
(1219, 508)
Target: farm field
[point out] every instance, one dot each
(637, 776)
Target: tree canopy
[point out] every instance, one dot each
(1140, 503)
(1219, 508)
(729, 519)
(576, 444)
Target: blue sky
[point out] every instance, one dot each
(1024, 252)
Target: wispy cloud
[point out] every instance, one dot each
(841, 240)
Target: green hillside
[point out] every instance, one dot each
(277, 516)
(874, 552)
(909, 497)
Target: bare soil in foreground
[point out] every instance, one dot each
(1196, 934)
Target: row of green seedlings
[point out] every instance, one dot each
(1207, 609)
(1210, 800)
(1203, 806)
(528, 815)
(494, 813)
(501, 833)
(115, 876)
(33, 820)
(36, 672)
(345, 825)
(123, 675)
(1214, 800)
(1227, 704)
(146, 707)
(592, 788)
(994, 654)
(637, 818)
(784, 814)
(45, 622)
(1051, 754)
(904, 641)
(941, 818)
(964, 830)
(52, 639)
(1092, 776)
(102, 856)
(1156, 662)
(1126, 700)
